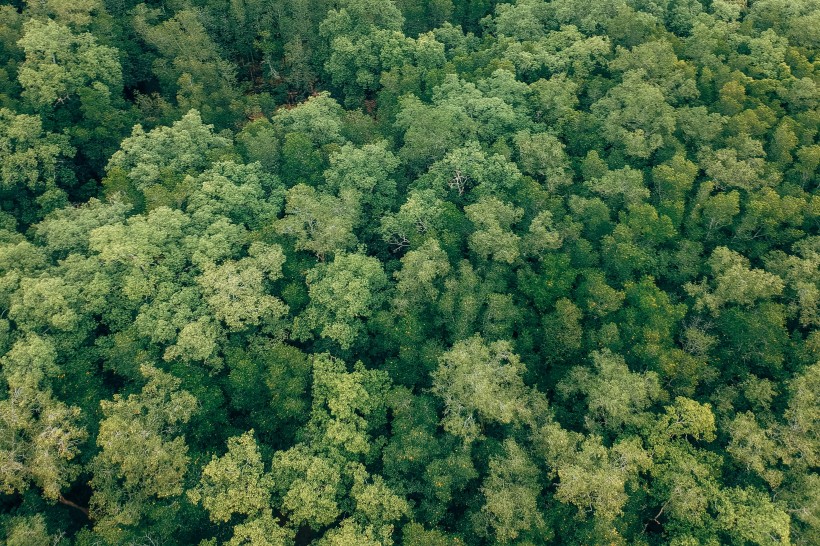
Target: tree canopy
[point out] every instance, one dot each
(410, 272)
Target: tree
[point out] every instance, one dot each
(39, 435)
(154, 164)
(562, 331)
(414, 534)
(319, 118)
(259, 141)
(348, 406)
(235, 290)
(636, 244)
(142, 455)
(672, 181)
(543, 155)
(687, 418)
(245, 194)
(378, 507)
(356, 17)
(492, 115)
(714, 213)
(416, 284)
(802, 417)
(493, 239)
(753, 449)
(480, 382)
(542, 235)
(422, 16)
(190, 67)
(685, 487)
(620, 188)
(739, 168)
(469, 170)
(356, 33)
(418, 218)
(635, 115)
(59, 64)
(266, 383)
(734, 283)
(615, 396)
(320, 223)
(520, 20)
(29, 531)
(261, 531)
(556, 101)
(67, 230)
(599, 298)
(363, 176)
(431, 131)
(773, 218)
(343, 295)
(591, 476)
(748, 515)
(309, 486)
(656, 62)
(33, 173)
(511, 492)
(235, 483)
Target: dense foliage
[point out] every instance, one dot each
(411, 272)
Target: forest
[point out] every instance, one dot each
(410, 272)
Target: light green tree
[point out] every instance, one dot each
(143, 455)
(635, 115)
(33, 172)
(320, 223)
(60, 63)
(39, 435)
(418, 218)
(493, 238)
(155, 163)
(734, 282)
(480, 382)
(363, 178)
(544, 156)
(343, 295)
(511, 492)
(616, 397)
(416, 282)
(235, 483)
(236, 292)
